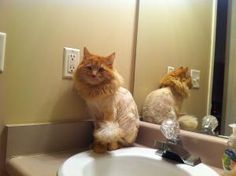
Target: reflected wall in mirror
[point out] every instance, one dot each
(180, 33)
(229, 108)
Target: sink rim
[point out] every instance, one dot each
(142, 152)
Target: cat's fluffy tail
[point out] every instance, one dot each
(188, 122)
(108, 132)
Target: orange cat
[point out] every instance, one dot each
(114, 111)
(166, 102)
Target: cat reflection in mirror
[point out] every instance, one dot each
(166, 101)
(112, 107)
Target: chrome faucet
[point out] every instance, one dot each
(173, 148)
(209, 124)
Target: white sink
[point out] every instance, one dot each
(133, 161)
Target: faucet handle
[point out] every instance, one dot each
(209, 124)
(170, 129)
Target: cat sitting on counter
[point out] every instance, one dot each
(112, 107)
(166, 101)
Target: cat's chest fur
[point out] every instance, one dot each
(101, 106)
(112, 105)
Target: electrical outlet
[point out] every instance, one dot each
(2, 50)
(195, 74)
(170, 69)
(71, 61)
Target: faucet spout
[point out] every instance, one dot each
(173, 148)
(176, 152)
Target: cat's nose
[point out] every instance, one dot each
(94, 73)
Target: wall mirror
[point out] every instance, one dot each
(192, 33)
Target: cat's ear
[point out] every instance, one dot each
(186, 70)
(86, 53)
(110, 59)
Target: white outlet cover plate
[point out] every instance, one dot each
(195, 74)
(2, 50)
(170, 69)
(71, 60)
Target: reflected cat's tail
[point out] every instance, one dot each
(188, 122)
(108, 132)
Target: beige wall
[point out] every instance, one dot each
(37, 31)
(230, 86)
(174, 33)
(31, 87)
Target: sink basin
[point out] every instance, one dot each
(133, 161)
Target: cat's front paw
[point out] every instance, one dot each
(99, 148)
(113, 146)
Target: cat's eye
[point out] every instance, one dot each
(101, 69)
(89, 67)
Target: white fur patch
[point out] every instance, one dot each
(108, 132)
(188, 122)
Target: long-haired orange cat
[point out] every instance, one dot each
(114, 111)
(166, 102)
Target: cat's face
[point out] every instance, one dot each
(95, 69)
